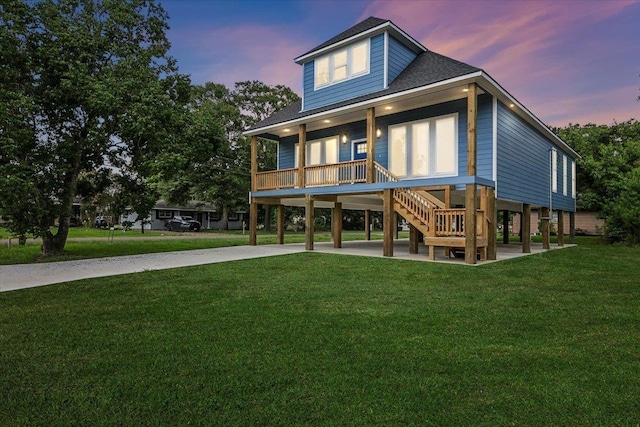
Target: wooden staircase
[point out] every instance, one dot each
(440, 225)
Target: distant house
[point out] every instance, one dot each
(387, 125)
(204, 212)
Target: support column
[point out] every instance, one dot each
(572, 227)
(526, 228)
(396, 221)
(470, 244)
(371, 143)
(491, 217)
(302, 148)
(546, 242)
(336, 225)
(280, 228)
(367, 224)
(505, 227)
(560, 228)
(308, 222)
(387, 228)
(413, 239)
(253, 223)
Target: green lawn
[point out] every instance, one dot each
(319, 339)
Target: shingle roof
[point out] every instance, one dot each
(426, 69)
(367, 24)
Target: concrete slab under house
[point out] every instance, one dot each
(385, 124)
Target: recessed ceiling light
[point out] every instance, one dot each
(327, 121)
(511, 105)
(388, 107)
(465, 89)
(287, 130)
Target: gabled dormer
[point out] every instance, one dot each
(362, 60)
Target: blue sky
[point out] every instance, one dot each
(567, 61)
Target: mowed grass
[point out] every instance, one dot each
(319, 339)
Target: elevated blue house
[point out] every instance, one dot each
(387, 125)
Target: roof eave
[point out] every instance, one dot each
(372, 31)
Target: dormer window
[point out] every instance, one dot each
(344, 64)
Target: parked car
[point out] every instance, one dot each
(183, 223)
(101, 222)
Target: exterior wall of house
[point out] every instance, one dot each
(357, 130)
(399, 57)
(347, 89)
(523, 170)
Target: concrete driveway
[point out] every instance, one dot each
(20, 276)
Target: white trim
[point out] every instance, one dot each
(495, 145)
(353, 144)
(363, 34)
(477, 76)
(278, 156)
(529, 114)
(385, 80)
(349, 65)
(358, 106)
(433, 160)
(564, 175)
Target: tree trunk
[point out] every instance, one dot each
(224, 221)
(53, 245)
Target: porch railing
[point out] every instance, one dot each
(337, 173)
(275, 180)
(333, 174)
(450, 223)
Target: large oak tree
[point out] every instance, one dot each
(89, 88)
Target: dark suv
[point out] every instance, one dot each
(183, 223)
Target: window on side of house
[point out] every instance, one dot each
(164, 214)
(345, 64)
(424, 148)
(564, 175)
(554, 171)
(573, 179)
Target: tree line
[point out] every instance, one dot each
(94, 107)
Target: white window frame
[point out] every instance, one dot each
(554, 170)
(350, 74)
(564, 175)
(323, 152)
(433, 158)
(573, 179)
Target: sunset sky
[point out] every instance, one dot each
(566, 61)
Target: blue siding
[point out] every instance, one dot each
(484, 137)
(523, 164)
(286, 152)
(399, 57)
(348, 89)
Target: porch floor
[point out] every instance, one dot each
(373, 248)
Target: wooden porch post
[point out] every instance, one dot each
(302, 147)
(471, 244)
(546, 242)
(371, 143)
(280, 231)
(253, 223)
(387, 228)
(560, 228)
(367, 224)
(308, 222)
(505, 227)
(413, 239)
(491, 222)
(572, 227)
(526, 228)
(336, 225)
